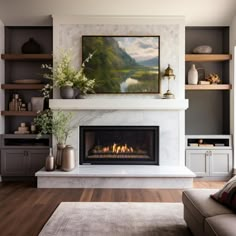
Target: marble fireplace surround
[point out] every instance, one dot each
(165, 113)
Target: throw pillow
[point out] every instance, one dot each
(227, 195)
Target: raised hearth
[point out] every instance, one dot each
(118, 176)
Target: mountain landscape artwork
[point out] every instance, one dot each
(123, 64)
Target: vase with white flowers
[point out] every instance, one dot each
(67, 78)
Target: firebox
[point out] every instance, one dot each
(119, 145)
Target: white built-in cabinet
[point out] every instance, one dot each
(209, 160)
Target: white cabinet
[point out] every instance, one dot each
(209, 162)
(211, 159)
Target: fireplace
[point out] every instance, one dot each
(119, 145)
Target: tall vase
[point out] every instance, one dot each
(193, 75)
(68, 158)
(60, 148)
(50, 162)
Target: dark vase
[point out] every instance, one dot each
(31, 47)
(67, 92)
(60, 148)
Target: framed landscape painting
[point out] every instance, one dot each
(123, 64)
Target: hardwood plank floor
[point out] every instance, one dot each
(24, 209)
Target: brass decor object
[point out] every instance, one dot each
(169, 74)
(68, 158)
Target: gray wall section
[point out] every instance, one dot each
(205, 113)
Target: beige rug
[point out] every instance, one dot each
(116, 219)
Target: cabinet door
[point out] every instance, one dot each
(36, 160)
(220, 162)
(13, 162)
(198, 162)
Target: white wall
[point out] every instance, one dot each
(200, 12)
(232, 81)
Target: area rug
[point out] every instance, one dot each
(116, 219)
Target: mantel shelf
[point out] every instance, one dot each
(208, 87)
(25, 57)
(208, 57)
(118, 104)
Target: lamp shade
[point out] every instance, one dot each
(169, 72)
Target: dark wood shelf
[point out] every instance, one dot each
(22, 86)
(208, 87)
(25, 57)
(19, 113)
(208, 57)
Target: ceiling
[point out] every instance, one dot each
(196, 12)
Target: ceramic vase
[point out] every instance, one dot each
(68, 158)
(50, 162)
(67, 92)
(37, 103)
(31, 47)
(60, 148)
(193, 75)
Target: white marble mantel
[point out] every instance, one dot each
(118, 104)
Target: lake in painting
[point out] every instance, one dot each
(123, 64)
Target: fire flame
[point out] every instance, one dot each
(118, 148)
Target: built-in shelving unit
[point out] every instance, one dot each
(23, 57)
(23, 154)
(22, 86)
(208, 87)
(207, 57)
(209, 108)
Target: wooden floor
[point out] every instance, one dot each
(24, 209)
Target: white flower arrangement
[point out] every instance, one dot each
(64, 74)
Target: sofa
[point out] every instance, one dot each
(205, 216)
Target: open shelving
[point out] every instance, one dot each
(207, 57)
(23, 57)
(208, 87)
(22, 86)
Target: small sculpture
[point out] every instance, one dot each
(213, 78)
(203, 49)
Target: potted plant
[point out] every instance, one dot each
(56, 123)
(67, 78)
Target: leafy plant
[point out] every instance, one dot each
(64, 74)
(56, 123)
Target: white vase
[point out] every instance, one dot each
(193, 75)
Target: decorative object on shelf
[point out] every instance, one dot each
(63, 74)
(31, 47)
(22, 129)
(50, 162)
(32, 128)
(68, 158)
(16, 104)
(203, 49)
(193, 75)
(67, 92)
(213, 78)
(204, 82)
(169, 74)
(37, 103)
